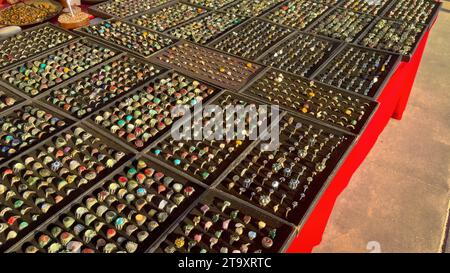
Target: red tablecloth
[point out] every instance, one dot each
(393, 101)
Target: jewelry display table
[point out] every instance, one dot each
(103, 95)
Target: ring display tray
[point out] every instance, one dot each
(43, 72)
(251, 39)
(298, 14)
(370, 70)
(87, 93)
(251, 8)
(218, 224)
(24, 127)
(142, 117)
(422, 11)
(167, 17)
(376, 8)
(207, 27)
(32, 41)
(222, 70)
(397, 38)
(313, 100)
(211, 4)
(205, 160)
(333, 25)
(124, 8)
(115, 33)
(301, 53)
(287, 181)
